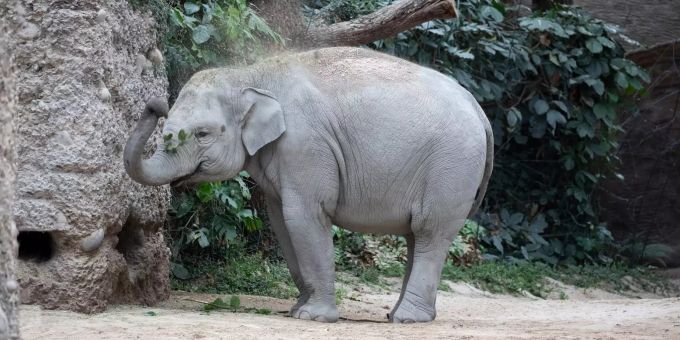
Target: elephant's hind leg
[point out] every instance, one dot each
(431, 245)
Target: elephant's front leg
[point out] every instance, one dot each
(283, 237)
(309, 229)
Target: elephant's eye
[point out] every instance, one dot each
(201, 134)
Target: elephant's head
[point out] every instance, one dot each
(208, 135)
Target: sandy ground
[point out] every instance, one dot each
(463, 313)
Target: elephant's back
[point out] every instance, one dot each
(358, 65)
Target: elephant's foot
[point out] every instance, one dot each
(316, 311)
(408, 311)
(302, 300)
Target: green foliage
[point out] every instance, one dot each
(518, 277)
(208, 33)
(234, 305)
(552, 85)
(362, 253)
(246, 274)
(171, 145)
(466, 248)
(341, 10)
(502, 277)
(209, 219)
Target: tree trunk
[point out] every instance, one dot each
(544, 5)
(285, 16)
(9, 297)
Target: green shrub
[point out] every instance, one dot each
(208, 220)
(210, 33)
(212, 221)
(245, 274)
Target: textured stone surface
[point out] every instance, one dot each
(9, 294)
(647, 204)
(80, 89)
(650, 22)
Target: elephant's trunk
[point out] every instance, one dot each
(155, 170)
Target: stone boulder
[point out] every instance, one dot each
(9, 288)
(88, 236)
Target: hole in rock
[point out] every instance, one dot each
(35, 245)
(130, 238)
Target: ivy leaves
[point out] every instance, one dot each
(212, 215)
(553, 84)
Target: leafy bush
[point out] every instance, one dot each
(359, 252)
(208, 220)
(552, 85)
(212, 220)
(246, 274)
(208, 33)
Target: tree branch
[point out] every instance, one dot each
(385, 22)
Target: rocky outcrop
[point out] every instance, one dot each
(88, 235)
(9, 288)
(648, 22)
(646, 205)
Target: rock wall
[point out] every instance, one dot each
(650, 22)
(9, 288)
(646, 205)
(88, 235)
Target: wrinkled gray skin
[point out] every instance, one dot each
(341, 136)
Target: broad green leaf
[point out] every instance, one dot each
(204, 192)
(203, 240)
(555, 117)
(621, 80)
(201, 34)
(594, 46)
(179, 271)
(541, 106)
(603, 110)
(515, 219)
(491, 13)
(606, 42)
(191, 8)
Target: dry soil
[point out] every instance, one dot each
(463, 313)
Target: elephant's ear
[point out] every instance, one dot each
(263, 119)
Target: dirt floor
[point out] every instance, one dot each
(463, 313)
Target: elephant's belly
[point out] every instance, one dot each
(373, 219)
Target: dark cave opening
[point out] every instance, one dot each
(35, 246)
(130, 238)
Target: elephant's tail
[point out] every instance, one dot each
(488, 167)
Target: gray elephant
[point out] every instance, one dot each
(343, 136)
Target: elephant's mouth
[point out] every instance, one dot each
(182, 181)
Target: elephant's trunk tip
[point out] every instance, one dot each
(157, 106)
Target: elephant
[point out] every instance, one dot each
(335, 136)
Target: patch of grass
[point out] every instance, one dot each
(521, 276)
(395, 269)
(369, 275)
(250, 274)
(502, 277)
(616, 277)
(340, 294)
(234, 305)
